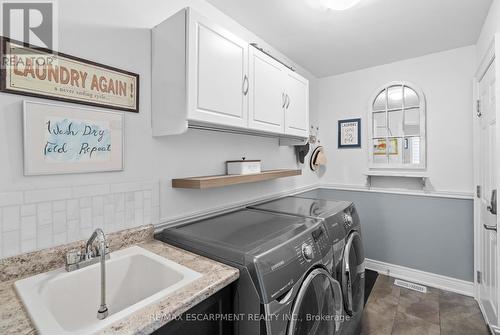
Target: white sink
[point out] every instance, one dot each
(61, 302)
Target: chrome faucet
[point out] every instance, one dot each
(98, 234)
(75, 260)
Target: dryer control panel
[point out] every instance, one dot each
(320, 237)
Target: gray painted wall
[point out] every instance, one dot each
(424, 233)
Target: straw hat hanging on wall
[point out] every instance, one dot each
(318, 158)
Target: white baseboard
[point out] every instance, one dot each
(422, 277)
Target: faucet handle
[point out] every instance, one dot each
(73, 256)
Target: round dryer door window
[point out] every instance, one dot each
(317, 309)
(353, 274)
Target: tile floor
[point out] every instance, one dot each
(392, 310)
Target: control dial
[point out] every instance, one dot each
(307, 252)
(347, 220)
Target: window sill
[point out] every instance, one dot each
(402, 174)
(398, 174)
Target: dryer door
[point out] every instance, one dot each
(353, 274)
(317, 309)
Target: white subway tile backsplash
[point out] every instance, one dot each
(90, 190)
(28, 228)
(28, 245)
(120, 202)
(11, 198)
(44, 237)
(73, 230)
(85, 202)
(98, 222)
(109, 211)
(85, 233)
(60, 238)
(147, 207)
(73, 209)
(28, 210)
(155, 215)
(10, 243)
(126, 187)
(138, 199)
(59, 222)
(47, 195)
(109, 199)
(139, 216)
(59, 205)
(85, 217)
(98, 205)
(11, 217)
(44, 213)
(120, 219)
(37, 219)
(129, 197)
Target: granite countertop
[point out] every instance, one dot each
(215, 276)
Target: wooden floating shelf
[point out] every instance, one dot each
(226, 180)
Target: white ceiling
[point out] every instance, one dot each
(374, 32)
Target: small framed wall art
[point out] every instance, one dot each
(349, 133)
(65, 139)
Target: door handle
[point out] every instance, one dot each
(283, 100)
(245, 85)
(288, 101)
(488, 227)
(492, 208)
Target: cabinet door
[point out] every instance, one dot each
(266, 95)
(297, 105)
(217, 75)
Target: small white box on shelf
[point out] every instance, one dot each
(243, 167)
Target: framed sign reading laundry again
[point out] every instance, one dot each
(64, 139)
(39, 72)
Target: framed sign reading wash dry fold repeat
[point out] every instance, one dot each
(43, 73)
(67, 139)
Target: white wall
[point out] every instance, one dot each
(490, 27)
(62, 206)
(446, 80)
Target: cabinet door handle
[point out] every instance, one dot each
(283, 100)
(245, 85)
(488, 227)
(287, 101)
(492, 208)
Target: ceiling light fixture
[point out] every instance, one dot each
(338, 4)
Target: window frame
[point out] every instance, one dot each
(423, 141)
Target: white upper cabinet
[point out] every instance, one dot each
(267, 93)
(205, 76)
(296, 105)
(218, 74)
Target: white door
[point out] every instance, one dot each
(488, 249)
(297, 105)
(218, 74)
(267, 93)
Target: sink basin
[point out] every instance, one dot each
(61, 302)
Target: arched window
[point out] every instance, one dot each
(397, 132)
